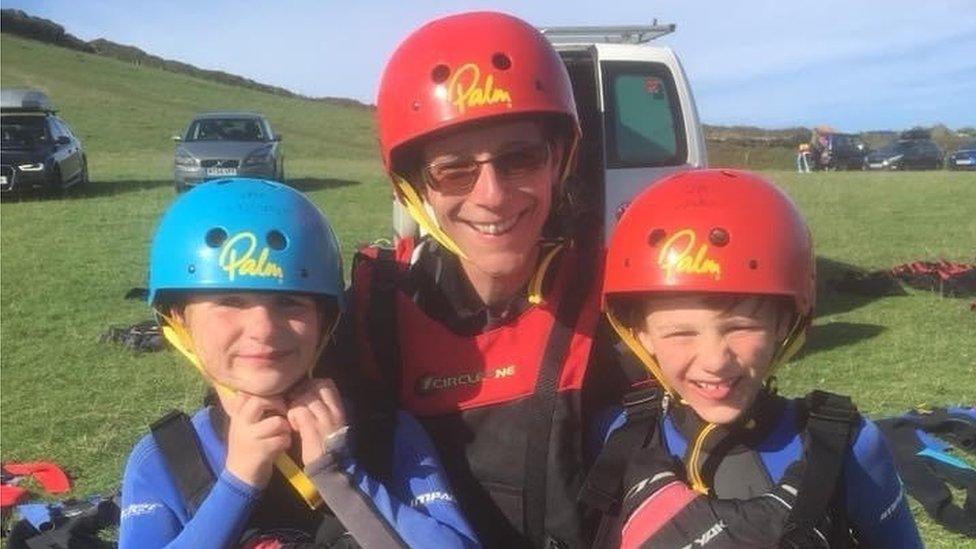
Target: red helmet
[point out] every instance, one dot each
(468, 67)
(723, 231)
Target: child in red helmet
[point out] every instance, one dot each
(710, 281)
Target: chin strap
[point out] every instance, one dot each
(415, 207)
(629, 339)
(179, 337)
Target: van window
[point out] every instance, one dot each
(644, 126)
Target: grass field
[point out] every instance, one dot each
(65, 264)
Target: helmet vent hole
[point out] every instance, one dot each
(655, 238)
(501, 61)
(718, 236)
(440, 73)
(538, 85)
(215, 237)
(191, 268)
(276, 240)
(415, 105)
(303, 273)
(753, 264)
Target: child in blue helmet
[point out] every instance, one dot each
(246, 278)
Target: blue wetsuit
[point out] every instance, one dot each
(747, 475)
(417, 508)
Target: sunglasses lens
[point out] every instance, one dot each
(458, 176)
(522, 162)
(453, 177)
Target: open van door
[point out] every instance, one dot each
(639, 118)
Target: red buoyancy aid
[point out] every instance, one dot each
(480, 398)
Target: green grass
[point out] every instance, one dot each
(65, 264)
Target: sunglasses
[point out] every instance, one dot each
(458, 175)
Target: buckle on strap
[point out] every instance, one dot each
(641, 397)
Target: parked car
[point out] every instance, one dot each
(839, 151)
(963, 158)
(227, 144)
(906, 154)
(39, 149)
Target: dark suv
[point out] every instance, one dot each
(839, 151)
(39, 149)
(906, 154)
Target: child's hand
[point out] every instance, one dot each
(315, 411)
(258, 433)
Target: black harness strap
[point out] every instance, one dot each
(830, 421)
(539, 425)
(178, 442)
(602, 488)
(376, 450)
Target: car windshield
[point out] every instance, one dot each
(23, 131)
(226, 129)
(897, 147)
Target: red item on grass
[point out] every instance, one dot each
(11, 495)
(50, 476)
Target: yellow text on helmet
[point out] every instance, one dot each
(679, 256)
(465, 89)
(237, 258)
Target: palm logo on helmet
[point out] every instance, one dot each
(462, 69)
(711, 231)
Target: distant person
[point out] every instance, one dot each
(710, 281)
(803, 158)
(245, 276)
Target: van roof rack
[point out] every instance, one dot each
(621, 34)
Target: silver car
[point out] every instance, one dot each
(227, 144)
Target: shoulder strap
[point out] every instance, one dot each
(602, 487)
(180, 446)
(829, 426)
(381, 399)
(539, 425)
(602, 491)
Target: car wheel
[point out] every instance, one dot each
(56, 184)
(83, 179)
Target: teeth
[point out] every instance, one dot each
(495, 228)
(704, 385)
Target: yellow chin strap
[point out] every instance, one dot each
(628, 337)
(415, 207)
(179, 337)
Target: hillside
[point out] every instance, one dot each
(118, 108)
(44, 30)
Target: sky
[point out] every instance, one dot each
(856, 65)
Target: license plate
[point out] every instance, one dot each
(221, 171)
(876, 165)
(963, 162)
(3, 180)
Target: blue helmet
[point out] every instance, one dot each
(245, 234)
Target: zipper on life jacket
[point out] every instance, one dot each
(693, 466)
